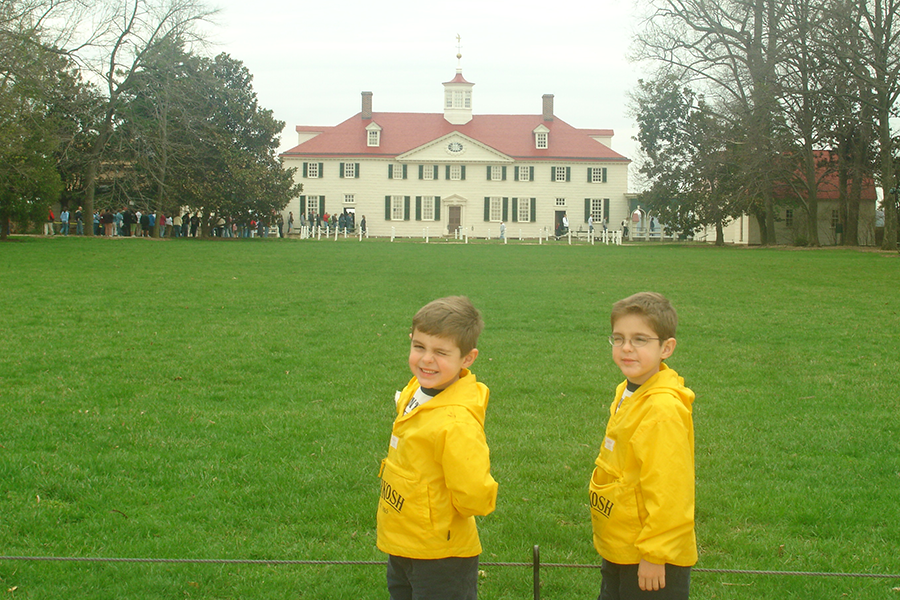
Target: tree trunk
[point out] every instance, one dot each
(720, 233)
(93, 166)
(888, 183)
(812, 198)
(90, 186)
(761, 222)
(851, 227)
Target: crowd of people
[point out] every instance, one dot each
(131, 222)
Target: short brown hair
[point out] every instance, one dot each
(655, 308)
(453, 317)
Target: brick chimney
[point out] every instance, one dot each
(548, 107)
(367, 105)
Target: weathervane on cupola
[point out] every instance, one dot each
(458, 93)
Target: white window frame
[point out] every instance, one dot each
(524, 209)
(312, 205)
(496, 173)
(428, 208)
(374, 138)
(428, 172)
(524, 173)
(349, 198)
(541, 140)
(397, 206)
(350, 170)
(496, 211)
(397, 171)
(789, 217)
(597, 211)
(559, 173)
(596, 174)
(312, 170)
(455, 172)
(560, 202)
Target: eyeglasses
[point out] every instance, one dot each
(638, 341)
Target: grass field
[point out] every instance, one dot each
(232, 400)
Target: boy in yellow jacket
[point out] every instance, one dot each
(437, 474)
(642, 489)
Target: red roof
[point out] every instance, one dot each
(828, 181)
(509, 134)
(459, 79)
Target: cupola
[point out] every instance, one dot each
(458, 97)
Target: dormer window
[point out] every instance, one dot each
(373, 135)
(541, 137)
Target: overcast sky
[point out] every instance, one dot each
(311, 60)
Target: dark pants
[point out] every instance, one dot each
(437, 579)
(620, 582)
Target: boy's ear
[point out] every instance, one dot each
(668, 347)
(469, 358)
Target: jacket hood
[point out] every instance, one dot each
(667, 380)
(465, 392)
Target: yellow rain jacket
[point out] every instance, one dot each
(437, 474)
(642, 489)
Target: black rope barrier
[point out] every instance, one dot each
(535, 565)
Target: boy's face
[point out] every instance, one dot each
(437, 361)
(639, 364)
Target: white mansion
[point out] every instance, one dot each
(406, 172)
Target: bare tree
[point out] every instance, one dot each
(124, 33)
(870, 54)
(731, 49)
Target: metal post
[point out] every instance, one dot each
(536, 567)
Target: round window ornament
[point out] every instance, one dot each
(455, 147)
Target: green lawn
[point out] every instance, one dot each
(233, 399)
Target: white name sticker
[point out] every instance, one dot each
(394, 441)
(609, 444)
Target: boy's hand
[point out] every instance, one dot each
(651, 577)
